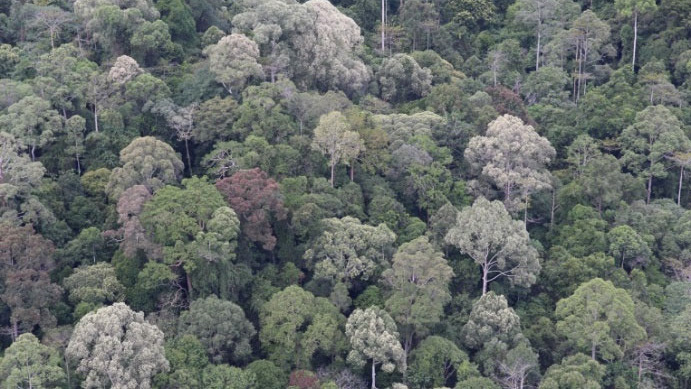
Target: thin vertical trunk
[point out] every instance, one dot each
(650, 188)
(189, 286)
(485, 271)
(33, 153)
(79, 165)
(95, 118)
(352, 171)
(681, 177)
(374, 374)
(552, 210)
(592, 351)
(383, 26)
(635, 37)
(189, 160)
(15, 330)
(332, 174)
(537, 54)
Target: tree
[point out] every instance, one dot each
(588, 34)
(32, 121)
(194, 230)
(116, 347)
(402, 79)
(655, 134)
(26, 258)
(295, 325)
(257, 200)
(493, 328)
(419, 283)
(513, 156)
(373, 336)
(94, 285)
(633, 8)
(625, 243)
(500, 245)
(599, 317)
(434, 362)
(574, 372)
(348, 250)
(29, 364)
(75, 127)
(333, 137)
(233, 60)
(537, 13)
(220, 326)
(145, 161)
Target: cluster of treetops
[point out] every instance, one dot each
(349, 194)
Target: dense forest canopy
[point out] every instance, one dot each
(345, 194)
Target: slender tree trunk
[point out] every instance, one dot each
(485, 271)
(79, 165)
(189, 160)
(374, 374)
(352, 171)
(635, 37)
(650, 188)
(33, 153)
(15, 330)
(552, 210)
(332, 174)
(95, 118)
(189, 286)
(592, 351)
(681, 177)
(537, 54)
(383, 26)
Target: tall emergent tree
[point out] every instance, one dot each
(500, 245)
(599, 318)
(655, 134)
(373, 336)
(633, 8)
(334, 138)
(115, 347)
(514, 157)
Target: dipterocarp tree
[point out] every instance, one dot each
(333, 137)
(500, 245)
(115, 347)
(514, 157)
(29, 364)
(233, 60)
(373, 336)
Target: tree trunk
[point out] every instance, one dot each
(650, 188)
(189, 286)
(33, 153)
(374, 374)
(592, 351)
(383, 26)
(537, 54)
(681, 177)
(95, 118)
(485, 271)
(352, 171)
(635, 37)
(332, 174)
(79, 165)
(189, 160)
(15, 330)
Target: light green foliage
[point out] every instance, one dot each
(220, 326)
(348, 250)
(625, 244)
(233, 60)
(32, 122)
(227, 377)
(333, 137)
(145, 161)
(29, 364)
(513, 157)
(501, 246)
(116, 347)
(295, 325)
(434, 362)
(574, 372)
(268, 375)
(599, 318)
(655, 134)
(492, 328)
(373, 336)
(418, 281)
(96, 284)
(401, 78)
